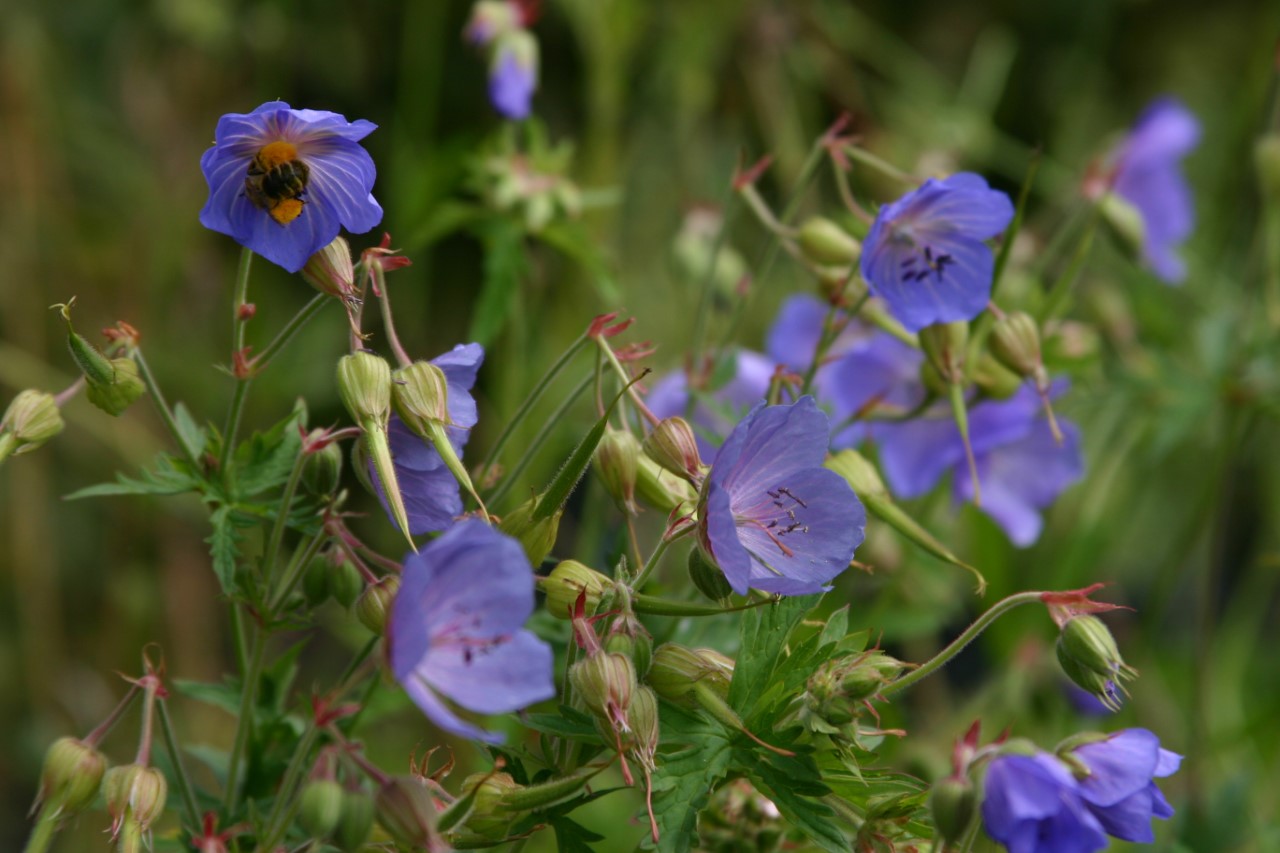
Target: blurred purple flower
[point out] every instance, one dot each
(431, 494)
(925, 254)
(1021, 468)
(770, 516)
(1119, 790)
(1148, 175)
(456, 629)
(283, 182)
(513, 74)
(714, 414)
(1089, 705)
(1032, 804)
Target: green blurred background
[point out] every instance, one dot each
(106, 107)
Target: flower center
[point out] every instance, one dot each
(777, 519)
(276, 180)
(919, 266)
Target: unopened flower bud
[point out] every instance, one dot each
(707, 576)
(673, 446)
(1015, 342)
(568, 581)
(605, 681)
(421, 396)
(31, 420)
(868, 674)
(617, 460)
(995, 379)
(1090, 658)
(643, 716)
(406, 812)
(135, 794)
(322, 472)
(331, 270)
(944, 345)
(954, 803)
(345, 583)
(71, 775)
(677, 670)
(364, 383)
(355, 821)
(659, 488)
(489, 818)
(1125, 221)
(321, 807)
(537, 537)
(115, 396)
(374, 603)
(827, 244)
(627, 636)
(315, 580)
(858, 472)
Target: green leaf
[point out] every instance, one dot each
(224, 547)
(504, 265)
(193, 435)
(791, 788)
(837, 626)
(763, 633)
(572, 837)
(682, 785)
(220, 695)
(264, 460)
(567, 724)
(169, 477)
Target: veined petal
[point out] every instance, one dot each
(970, 208)
(460, 366)
(920, 297)
(342, 173)
(505, 676)
(771, 444)
(721, 538)
(1119, 766)
(440, 714)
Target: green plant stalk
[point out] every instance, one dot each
(552, 422)
(42, 833)
(824, 343)
(184, 783)
(244, 724)
(651, 563)
(277, 822)
(628, 381)
(961, 415)
(957, 645)
(272, 551)
(528, 404)
(388, 319)
(304, 315)
(166, 414)
(884, 167)
(293, 571)
(1061, 288)
(237, 337)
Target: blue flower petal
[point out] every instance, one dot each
(511, 87)
(493, 679)
(1119, 766)
(342, 173)
(721, 539)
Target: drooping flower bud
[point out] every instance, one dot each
(827, 244)
(31, 419)
(606, 682)
(321, 807)
(995, 379)
(568, 581)
(406, 812)
(944, 344)
(627, 636)
(117, 395)
(331, 270)
(707, 576)
(374, 603)
(617, 460)
(315, 580)
(643, 715)
(537, 537)
(676, 670)
(489, 817)
(71, 775)
(673, 446)
(1126, 223)
(420, 393)
(364, 383)
(135, 796)
(1089, 656)
(355, 821)
(1015, 342)
(659, 488)
(953, 803)
(322, 472)
(345, 583)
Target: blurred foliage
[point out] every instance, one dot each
(105, 108)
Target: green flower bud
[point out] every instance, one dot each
(659, 489)
(134, 794)
(421, 396)
(322, 472)
(406, 812)
(827, 244)
(355, 821)
(321, 807)
(858, 472)
(96, 367)
(489, 818)
(331, 270)
(345, 583)
(364, 383)
(31, 419)
(1125, 222)
(606, 682)
(315, 580)
(673, 446)
(374, 604)
(1089, 657)
(1015, 342)
(617, 461)
(536, 537)
(995, 379)
(707, 577)
(953, 803)
(643, 716)
(627, 636)
(125, 386)
(71, 775)
(944, 344)
(569, 580)
(677, 670)
(866, 674)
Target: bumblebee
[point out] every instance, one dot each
(276, 181)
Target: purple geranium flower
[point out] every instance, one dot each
(282, 182)
(513, 74)
(1148, 175)
(430, 493)
(1119, 790)
(925, 254)
(714, 414)
(1032, 804)
(1021, 467)
(770, 516)
(456, 629)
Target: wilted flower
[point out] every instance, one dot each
(282, 182)
(926, 256)
(715, 412)
(1021, 467)
(770, 516)
(1119, 790)
(455, 629)
(1032, 804)
(1148, 175)
(430, 491)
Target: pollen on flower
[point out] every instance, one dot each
(286, 210)
(276, 153)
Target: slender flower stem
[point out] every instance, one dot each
(1061, 288)
(166, 414)
(388, 320)
(884, 167)
(61, 398)
(527, 405)
(961, 415)
(272, 551)
(148, 725)
(970, 634)
(293, 571)
(42, 833)
(244, 724)
(553, 421)
(628, 381)
(285, 794)
(101, 730)
(175, 757)
(830, 330)
(651, 564)
(238, 323)
(304, 315)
